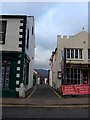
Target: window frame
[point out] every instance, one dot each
(27, 39)
(26, 73)
(89, 54)
(73, 77)
(32, 30)
(5, 65)
(3, 33)
(68, 53)
(71, 54)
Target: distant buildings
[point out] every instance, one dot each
(42, 76)
(70, 62)
(17, 44)
(36, 78)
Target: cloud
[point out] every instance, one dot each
(63, 19)
(60, 19)
(48, 42)
(51, 19)
(42, 57)
(36, 9)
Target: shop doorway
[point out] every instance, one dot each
(85, 76)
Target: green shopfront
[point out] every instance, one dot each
(9, 64)
(15, 69)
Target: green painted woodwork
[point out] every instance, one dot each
(13, 75)
(10, 93)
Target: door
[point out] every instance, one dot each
(85, 76)
(5, 75)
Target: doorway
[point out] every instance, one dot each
(85, 76)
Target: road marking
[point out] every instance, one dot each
(48, 106)
(32, 92)
(56, 93)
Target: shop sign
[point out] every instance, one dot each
(76, 89)
(83, 89)
(68, 89)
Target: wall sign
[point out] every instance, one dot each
(76, 89)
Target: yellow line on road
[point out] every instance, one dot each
(56, 93)
(32, 92)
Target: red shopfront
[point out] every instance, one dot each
(76, 79)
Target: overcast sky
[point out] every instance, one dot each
(51, 19)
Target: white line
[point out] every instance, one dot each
(32, 92)
(56, 93)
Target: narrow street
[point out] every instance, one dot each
(41, 95)
(44, 92)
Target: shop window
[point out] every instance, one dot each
(5, 74)
(27, 76)
(26, 73)
(2, 31)
(73, 76)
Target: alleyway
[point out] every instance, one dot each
(44, 92)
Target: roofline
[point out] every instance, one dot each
(14, 16)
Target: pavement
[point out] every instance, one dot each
(30, 101)
(43, 95)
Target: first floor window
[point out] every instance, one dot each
(27, 38)
(88, 53)
(80, 53)
(68, 53)
(5, 75)
(76, 53)
(73, 53)
(2, 31)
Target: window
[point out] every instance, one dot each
(68, 76)
(32, 30)
(80, 53)
(73, 76)
(68, 53)
(27, 38)
(2, 31)
(26, 73)
(5, 74)
(74, 53)
(88, 53)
